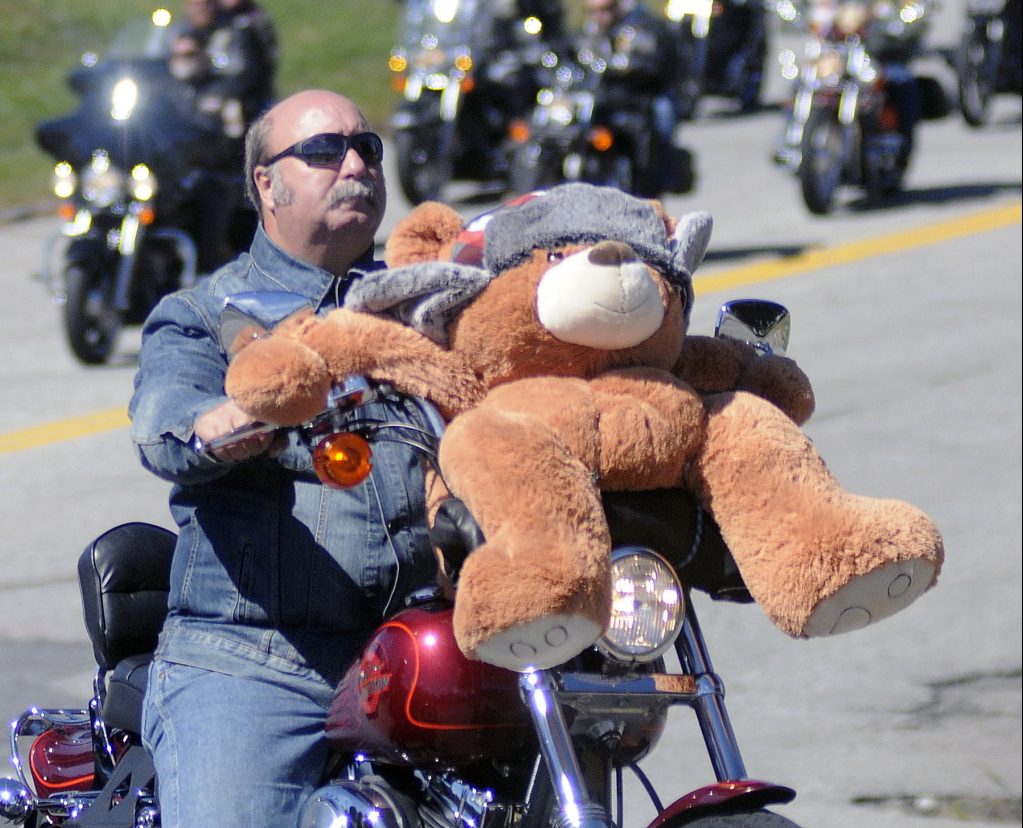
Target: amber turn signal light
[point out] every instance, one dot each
(601, 139)
(342, 460)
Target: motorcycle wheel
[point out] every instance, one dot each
(975, 86)
(422, 169)
(90, 324)
(752, 819)
(823, 161)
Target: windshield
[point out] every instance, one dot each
(437, 24)
(147, 38)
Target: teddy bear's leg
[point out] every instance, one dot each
(818, 559)
(538, 591)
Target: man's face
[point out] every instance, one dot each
(201, 12)
(602, 12)
(318, 204)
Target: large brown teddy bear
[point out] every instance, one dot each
(552, 335)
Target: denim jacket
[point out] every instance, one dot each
(271, 567)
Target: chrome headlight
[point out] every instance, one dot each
(64, 181)
(562, 109)
(647, 606)
(142, 183)
(102, 183)
(123, 99)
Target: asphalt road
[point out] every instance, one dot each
(907, 318)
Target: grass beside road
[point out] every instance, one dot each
(335, 44)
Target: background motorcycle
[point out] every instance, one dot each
(574, 135)
(988, 61)
(458, 100)
(424, 737)
(129, 160)
(843, 127)
(723, 46)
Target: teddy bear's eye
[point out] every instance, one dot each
(554, 256)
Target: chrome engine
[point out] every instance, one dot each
(369, 801)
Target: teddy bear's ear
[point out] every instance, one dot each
(670, 222)
(426, 234)
(690, 239)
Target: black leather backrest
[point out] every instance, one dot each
(124, 576)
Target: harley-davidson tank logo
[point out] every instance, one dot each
(374, 680)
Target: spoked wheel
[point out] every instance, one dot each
(90, 323)
(820, 171)
(752, 819)
(423, 167)
(975, 83)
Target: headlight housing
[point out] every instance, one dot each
(102, 183)
(647, 606)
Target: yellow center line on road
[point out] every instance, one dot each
(729, 279)
(61, 430)
(857, 251)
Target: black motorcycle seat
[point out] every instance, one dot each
(126, 685)
(124, 577)
(667, 520)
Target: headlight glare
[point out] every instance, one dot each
(647, 606)
(102, 183)
(123, 99)
(64, 180)
(142, 183)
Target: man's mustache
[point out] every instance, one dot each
(348, 189)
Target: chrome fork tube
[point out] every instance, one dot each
(576, 809)
(722, 746)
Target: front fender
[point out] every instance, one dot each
(745, 795)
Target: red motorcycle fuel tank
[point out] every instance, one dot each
(60, 760)
(413, 698)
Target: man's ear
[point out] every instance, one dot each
(264, 187)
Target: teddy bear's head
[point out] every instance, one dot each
(571, 281)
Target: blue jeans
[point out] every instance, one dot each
(234, 750)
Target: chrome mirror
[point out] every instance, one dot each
(247, 316)
(764, 325)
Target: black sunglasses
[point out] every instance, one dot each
(329, 148)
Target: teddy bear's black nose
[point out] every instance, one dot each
(612, 253)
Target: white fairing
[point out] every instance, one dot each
(610, 306)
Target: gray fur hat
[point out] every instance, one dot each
(428, 295)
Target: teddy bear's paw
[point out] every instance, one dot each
(871, 597)
(540, 644)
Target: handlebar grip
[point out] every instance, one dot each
(232, 438)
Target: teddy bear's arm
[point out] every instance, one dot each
(351, 342)
(712, 365)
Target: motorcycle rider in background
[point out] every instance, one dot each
(641, 74)
(250, 20)
(893, 43)
(223, 56)
(506, 84)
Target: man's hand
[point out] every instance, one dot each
(224, 419)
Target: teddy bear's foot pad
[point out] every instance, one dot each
(871, 598)
(540, 644)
